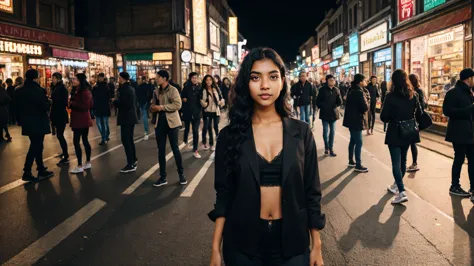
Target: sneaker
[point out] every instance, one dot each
(332, 154)
(45, 174)
(413, 168)
(102, 143)
(77, 170)
(135, 164)
(361, 169)
(196, 155)
(182, 180)
(9, 139)
(128, 169)
(393, 188)
(213, 148)
(160, 182)
(146, 137)
(400, 198)
(351, 164)
(458, 191)
(64, 161)
(326, 152)
(29, 177)
(205, 147)
(87, 165)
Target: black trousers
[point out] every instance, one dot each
(195, 123)
(35, 153)
(84, 134)
(162, 131)
(414, 152)
(62, 141)
(210, 120)
(371, 117)
(461, 151)
(7, 133)
(128, 143)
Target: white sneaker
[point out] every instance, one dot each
(146, 137)
(213, 148)
(400, 198)
(205, 147)
(77, 170)
(197, 155)
(87, 165)
(393, 188)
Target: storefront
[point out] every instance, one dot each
(187, 59)
(382, 65)
(203, 65)
(376, 57)
(147, 64)
(365, 64)
(333, 68)
(101, 64)
(13, 57)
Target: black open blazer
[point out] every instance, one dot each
(238, 197)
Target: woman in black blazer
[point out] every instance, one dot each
(268, 198)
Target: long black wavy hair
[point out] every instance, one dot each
(204, 85)
(242, 106)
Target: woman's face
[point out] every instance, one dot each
(266, 82)
(227, 82)
(75, 82)
(216, 80)
(208, 82)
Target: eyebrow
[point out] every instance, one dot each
(271, 72)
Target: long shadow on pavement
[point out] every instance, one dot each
(339, 188)
(466, 224)
(371, 232)
(334, 179)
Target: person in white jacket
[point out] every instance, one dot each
(211, 102)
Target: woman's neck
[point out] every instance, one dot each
(265, 115)
(209, 88)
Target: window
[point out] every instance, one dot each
(46, 15)
(355, 16)
(350, 19)
(60, 17)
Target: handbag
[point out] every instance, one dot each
(408, 129)
(425, 121)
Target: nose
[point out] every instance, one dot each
(265, 83)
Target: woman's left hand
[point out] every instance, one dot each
(316, 257)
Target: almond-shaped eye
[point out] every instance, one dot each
(274, 77)
(254, 78)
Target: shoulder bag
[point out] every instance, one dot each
(408, 129)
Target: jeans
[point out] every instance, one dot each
(399, 164)
(161, 132)
(35, 153)
(103, 126)
(126, 132)
(305, 113)
(371, 114)
(461, 151)
(62, 141)
(84, 133)
(356, 142)
(210, 119)
(329, 140)
(195, 124)
(144, 113)
(414, 153)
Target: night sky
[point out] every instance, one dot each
(281, 25)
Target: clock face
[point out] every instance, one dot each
(186, 56)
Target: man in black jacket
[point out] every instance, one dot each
(373, 89)
(192, 110)
(302, 91)
(11, 93)
(32, 108)
(125, 100)
(59, 116)
(458, 106)
(328, 102)
(101, 95)
(143, 97)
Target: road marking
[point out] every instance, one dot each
(389, 169)
(70, 149)
(20, 182)
(188, 192)
(43, 245)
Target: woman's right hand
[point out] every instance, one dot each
(216, 258)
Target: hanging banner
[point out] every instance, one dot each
(200, 26)
(233, 30)
(406, 8)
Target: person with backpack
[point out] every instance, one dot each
(211, 102)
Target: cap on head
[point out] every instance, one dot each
(466, 73)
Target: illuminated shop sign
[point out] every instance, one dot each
(42, 62)
(337, 52)
(440, 39)
(430, 4)
(354, 60)
(406, 8)
(334, 63)
(233, 30)
(73, 63)
(6, 6)
(375, 37)
(101, 58)
(345, 59)
(383, 55)
(315, 53)
(20, 48)
(354, 44)
(163, 56)
(200, 26)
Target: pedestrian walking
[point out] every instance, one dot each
(458, 106)
(11, 93)
(211, 102)
(167, 102)
(328, 102)
(401, 111)
(4, 114)
(226, 85)
(301, 92)
(373, 88)
(32, 107)
(357, 104)
(420, 96)
(101, 95)
(191, 97)
(112, 89)
(81, 105)
(384, 90)
(314, 96)
(126, 103)
(59, 115)
(263, 156)
(143, 97)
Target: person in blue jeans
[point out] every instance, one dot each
(101, 96)
(357, 104)
(143, 98)
(302, 92)
(328, 102)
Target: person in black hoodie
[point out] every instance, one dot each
(59, 116)
(373, 89)
(458, 106)
(32, 107)
(420, 95)
(101, 96)
(356, 106)
(11, 93)
(328, 102)
(301, 92)
(143, 98)
(191, 97)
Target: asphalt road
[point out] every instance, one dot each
(103, 217)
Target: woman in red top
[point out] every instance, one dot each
(81, 121)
